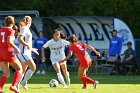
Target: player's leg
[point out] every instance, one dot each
(66, 73)
(29, 72)
(24, 68)
(43, 65)
(84, 78)
(6, 73)
(38, 71)
(81, 73)
(56, 66)
(17, 76)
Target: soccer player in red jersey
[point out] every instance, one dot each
(79, 49)
(7, 56)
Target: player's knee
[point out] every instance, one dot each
(65, 72)
(19, 69)
(33, 69)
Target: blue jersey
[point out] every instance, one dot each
(115, 46)
(39, 42)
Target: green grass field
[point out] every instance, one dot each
(108, 84)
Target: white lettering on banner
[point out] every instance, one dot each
(89, 30)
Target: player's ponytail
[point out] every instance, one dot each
(62, 35)
(73, 39)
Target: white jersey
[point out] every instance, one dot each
(25, 31)
(57, 49)
(16, 43)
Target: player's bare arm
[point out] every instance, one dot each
(43, 57)
(11, 43)
(67, 58)
(93, 49)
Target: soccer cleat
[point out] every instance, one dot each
(38, 72)
(1, 91)
(68, 81)
(64, 86)
(95, 84)
(24, 85)
(13, 88)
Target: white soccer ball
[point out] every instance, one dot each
(53, 83)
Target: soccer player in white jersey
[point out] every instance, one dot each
(57, 49)
(25, 40)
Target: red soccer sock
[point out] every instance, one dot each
(87, 80)
(2, 81)
(17, 77)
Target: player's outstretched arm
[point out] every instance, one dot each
(67, 58)
(93, 49)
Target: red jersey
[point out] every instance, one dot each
(4, 34)
(80, 51)
(6, 51)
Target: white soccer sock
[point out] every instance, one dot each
(19, 81)
(28, 74)
(21, 78)
(61, 79)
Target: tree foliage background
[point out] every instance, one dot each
(126, 10)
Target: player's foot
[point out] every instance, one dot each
(38, 72)
(64, 86)
(68, 81)
(13, 88)
(1, 91)
(24, 85)
(84, 88)
(95, 84)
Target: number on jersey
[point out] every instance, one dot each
(3, 34)
(80, 47)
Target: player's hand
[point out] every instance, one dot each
(18, 50)
(43, 59)
(29, 47)
(98, 53)
(35, 51)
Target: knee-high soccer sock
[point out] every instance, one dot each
(2, 81)
(28, 74)
(61, 79)
(86, 80)
(22, 75)
(17, 77)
